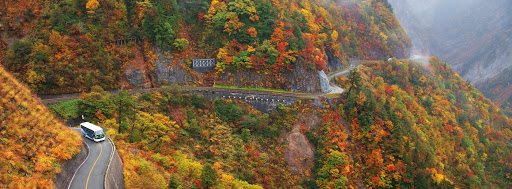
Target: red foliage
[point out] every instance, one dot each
(200, 17)
(387, 88)
(375, 180)
(449, 128)
(391, 167)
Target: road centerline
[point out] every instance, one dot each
(87, 182)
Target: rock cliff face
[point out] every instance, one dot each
(473, 36)
(300, 80)
(333, 62)
(138, 78)
(300, 153)
(163, 72)
(167, 72)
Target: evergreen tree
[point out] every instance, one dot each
(209, 176)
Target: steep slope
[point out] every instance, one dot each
(401, 124)
(414, 125)
(70, 46)
(472, 36)
(32, 142)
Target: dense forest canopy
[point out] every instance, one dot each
(401, 124)
(69, 46)
(33, 143)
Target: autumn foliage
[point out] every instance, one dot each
(32, 142)
(406, 126)
(70, 46)
(166, 139)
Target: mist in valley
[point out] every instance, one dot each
(473, 36)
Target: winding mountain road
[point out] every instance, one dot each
(342, 72)
(91, 173)
(51, 99)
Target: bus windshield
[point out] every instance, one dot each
(99, 134)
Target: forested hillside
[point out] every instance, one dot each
(414, 125)
(32, 142)
(401, 124)
(473, 36)
(172, 139)
(70, 46)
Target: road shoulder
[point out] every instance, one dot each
(68, 168)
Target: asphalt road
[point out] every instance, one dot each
(51, 99)
(91, 174)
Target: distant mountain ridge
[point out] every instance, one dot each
(471, 35)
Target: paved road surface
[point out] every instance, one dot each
(343, 72)
(91, 174)
(51, 99)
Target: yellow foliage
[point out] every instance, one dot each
(49, 144)
(250, 49)
(233, 24)
(334, 36)
(334, 172)
(227, 177)
(92, 5)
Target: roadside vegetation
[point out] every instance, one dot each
(33, 144)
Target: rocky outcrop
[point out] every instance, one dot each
(324, 82)
(300, 153)
(300, 80)
(165, 73)
(137, 78)
(333, 62)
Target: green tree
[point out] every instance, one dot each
(126, 107)
(174, 182)
(209, 176)
(17, 58)
(181, 44)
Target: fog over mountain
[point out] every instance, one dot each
(473, 36)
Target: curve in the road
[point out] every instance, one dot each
(91, 173)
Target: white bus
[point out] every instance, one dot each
(92, 132)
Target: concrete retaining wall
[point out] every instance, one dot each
(114, 177)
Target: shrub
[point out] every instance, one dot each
(181, 44)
